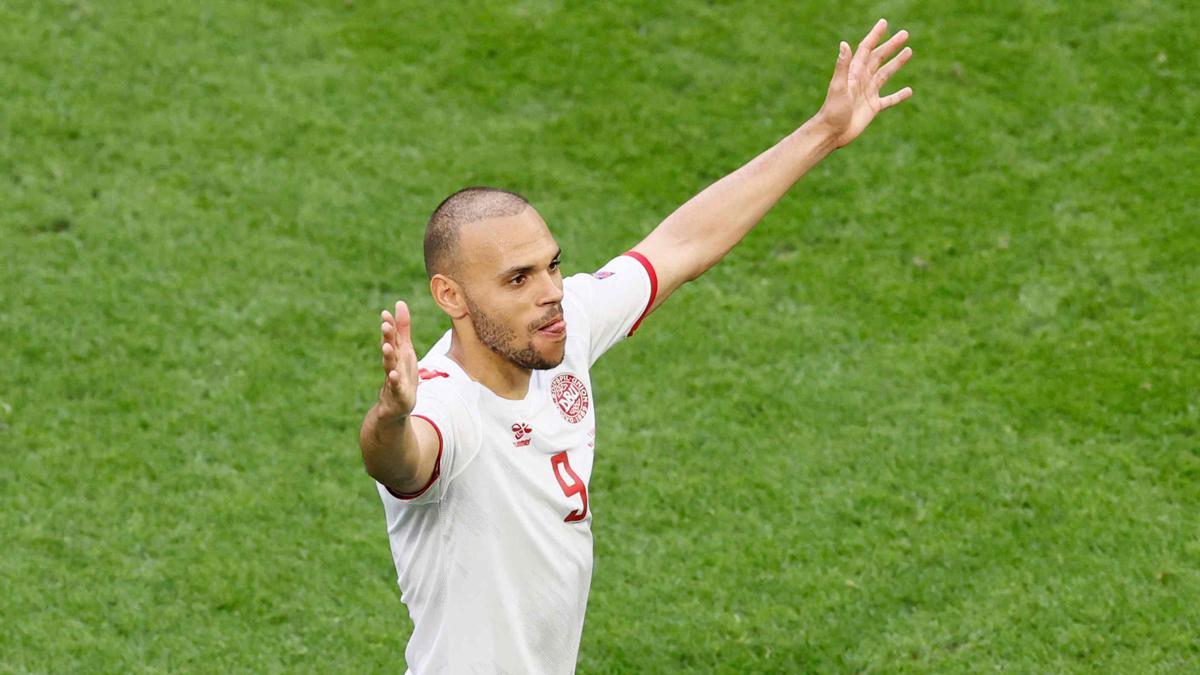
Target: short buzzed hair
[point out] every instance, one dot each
(465, 206)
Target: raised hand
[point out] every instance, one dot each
(853, 99)
(399, 393)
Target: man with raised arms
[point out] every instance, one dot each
(482, 451)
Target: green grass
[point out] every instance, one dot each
(939, 413)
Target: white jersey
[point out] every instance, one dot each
(494, 555)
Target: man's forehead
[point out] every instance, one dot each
(496, 244)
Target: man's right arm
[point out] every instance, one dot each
(398, 449)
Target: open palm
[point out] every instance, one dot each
(399, 393)
(853, 99)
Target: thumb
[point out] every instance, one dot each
(841, 71)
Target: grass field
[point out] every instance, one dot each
(939, 413)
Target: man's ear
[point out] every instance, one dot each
(448, 295)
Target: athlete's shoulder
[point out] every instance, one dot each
(627, 266)
(439, 375)
(582, 287)
(576, 285)
(431, 375)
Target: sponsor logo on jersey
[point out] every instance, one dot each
(522, 434)
(427, 374)
(570, 397)
(603, 274)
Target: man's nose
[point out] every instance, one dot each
(552, 292)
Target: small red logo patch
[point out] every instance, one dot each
(522, 434)
(426, 374)
(570, 397)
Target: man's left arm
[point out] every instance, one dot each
(699, 233)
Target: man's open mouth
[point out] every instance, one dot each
(555, 327)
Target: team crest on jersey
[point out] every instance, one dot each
(522, 434)
(570, 397)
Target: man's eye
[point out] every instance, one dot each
(554, 265)
(517, 280)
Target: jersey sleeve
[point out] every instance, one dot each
(614, 300)
(458, 433)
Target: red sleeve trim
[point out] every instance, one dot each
(437, 468)
(653, 287)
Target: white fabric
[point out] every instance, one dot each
(494, 558)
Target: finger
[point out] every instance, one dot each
(892, 99)
(403, 324)
(389, 357)
(891, 67)
(868, 43)
(885, 50)
(387, 331)
(841, 71)
(388, 326)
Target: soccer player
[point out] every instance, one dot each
(482, 451)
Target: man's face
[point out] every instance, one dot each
(510, 276)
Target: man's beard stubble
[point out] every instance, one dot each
(500, 339)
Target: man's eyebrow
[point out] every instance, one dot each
(525, 269)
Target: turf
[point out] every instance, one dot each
(938, 414)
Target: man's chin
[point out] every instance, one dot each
(551, 359)
(552, 363)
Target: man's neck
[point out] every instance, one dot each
(504, 378)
